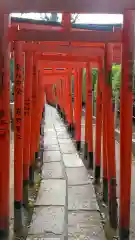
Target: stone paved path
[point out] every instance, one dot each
(117, 157)
(66, 206)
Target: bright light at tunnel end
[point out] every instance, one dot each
(82, 18)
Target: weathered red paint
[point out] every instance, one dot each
(75, 106)
(49, 93)
(74, 50)
(110, 143)
(19, 118)
(89, 115)
(39, 108)
(34, 101)
(71, 36)
(57, 95)
(77, 50)
(4, 126)
(64, 97)
(69, 100)
(27, 113)
(126, 123)
(78, 86)
(104, 148)
(98, 124)
(86, 6)
(60, 64)
(55, 74)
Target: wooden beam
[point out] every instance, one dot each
(34, 26)
(51, 79)
(55, 58)
(46, 64)
(70, 50)
(55, 74)
(76, 6)
(74, 50)
(73, 36)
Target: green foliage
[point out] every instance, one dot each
(11, 80)
(116, 76)
(11, 91)
(72, 85)
(12, 70)
(115, 80)
(94, 76)
(95, 91)
(94, 80)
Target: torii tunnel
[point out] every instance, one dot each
(47, 57)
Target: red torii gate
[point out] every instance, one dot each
(88, 141)
(71, 36)
(126, 91)
(77, 49)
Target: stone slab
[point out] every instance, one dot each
(58, 123)
(64, 140)
(67, 148)
(60, 129)
(72, 160)
(50, 134)
(50, 140)
(47, 219)
(49, 129)
(82, 198)
(51, 147)
(52, 156)
(48, 126)
(52, 170)
(63, 135)
(52, 192)
(77, 176)
(42, 237)
(85, 225)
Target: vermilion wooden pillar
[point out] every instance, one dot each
(58, 96)
(58, 91)
(37, 120)
(61, 99)
(39, 136)
(37, 117)
(64, 98)
(66, 101)
(98, 125)
(33, 119)
(110, 142)
(126, 123)
(88, 123)
(18, 135)
(4, 126)
(78, 85)
(27, 124)
(104, 147)
(75, 105)
(70, 110)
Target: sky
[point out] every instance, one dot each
(83, 18)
